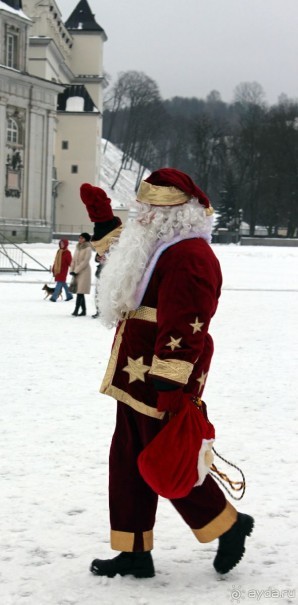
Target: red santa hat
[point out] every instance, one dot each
(171, 187)
(100, 212)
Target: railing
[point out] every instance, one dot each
(12, 257)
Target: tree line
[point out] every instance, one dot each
(243, 154)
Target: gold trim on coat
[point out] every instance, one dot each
(110, 371)
(174, 370)
(139, 406)
(218, 526)
(145, 313)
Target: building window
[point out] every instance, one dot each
(12, 131)
(11, 50)
(74, 169)
(64, 144)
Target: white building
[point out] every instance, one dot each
(51, 77)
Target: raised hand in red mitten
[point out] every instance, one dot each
(97, 202)
(99, 208)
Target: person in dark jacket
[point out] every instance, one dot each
(60, 269)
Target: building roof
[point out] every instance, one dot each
(16, 4)
(83, 19)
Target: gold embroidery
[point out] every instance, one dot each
(174, 370)
(102, 245)
(145, 313)
(197, 325)
(136, 369)
(139, 406)
(174, 343)
(218, 526)
(202, 379)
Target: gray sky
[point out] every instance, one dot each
(190, 47)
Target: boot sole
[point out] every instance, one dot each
(247, 525)
(136, 574)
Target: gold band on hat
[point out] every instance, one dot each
(156, 195)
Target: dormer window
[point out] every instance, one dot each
(12, 56)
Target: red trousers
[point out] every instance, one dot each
(133, 503)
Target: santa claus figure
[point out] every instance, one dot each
(159, 288)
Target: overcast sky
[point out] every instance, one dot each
(190, 47)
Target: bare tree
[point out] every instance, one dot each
(140, 97)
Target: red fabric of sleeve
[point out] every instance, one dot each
(187, 299)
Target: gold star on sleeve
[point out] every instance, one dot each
(197, 326)
(174, 343)
(136, 369)
(202, 379)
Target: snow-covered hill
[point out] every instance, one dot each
(125, 188)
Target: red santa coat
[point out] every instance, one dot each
(66, 259)
(167, 337)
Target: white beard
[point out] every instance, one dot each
(129, 257)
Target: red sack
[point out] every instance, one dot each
(180, 456)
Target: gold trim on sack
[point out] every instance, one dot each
(218, 526)
(174, 370)
(156, 195)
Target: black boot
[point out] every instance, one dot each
(137, 564)
(78, 304)
(83, 305)
(231, 544)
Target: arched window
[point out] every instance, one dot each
(12, 131)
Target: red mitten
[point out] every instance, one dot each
(97, 202)
(170, 401)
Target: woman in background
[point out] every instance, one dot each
(60, 268)
(80, 267)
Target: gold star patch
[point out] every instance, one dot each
(174, 343)
(202, 379)
(197, 326)
(136, 369)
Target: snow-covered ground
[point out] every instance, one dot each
(56, 428)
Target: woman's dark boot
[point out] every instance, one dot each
(137, 564)
(78, 304)
(83, 305)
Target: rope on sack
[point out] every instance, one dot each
(237, 486)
